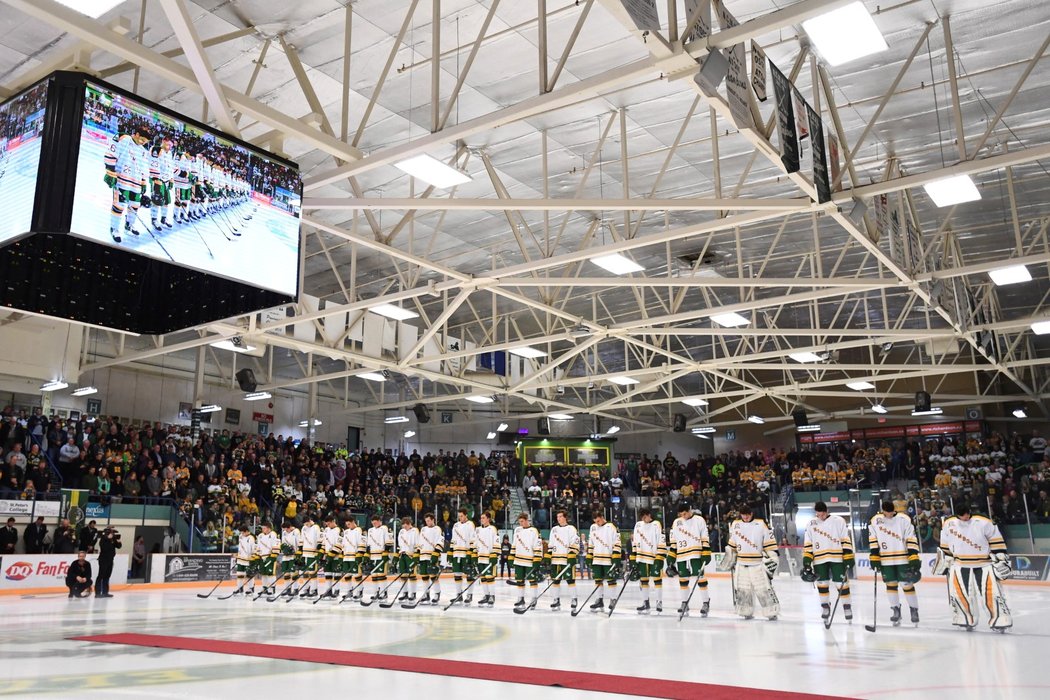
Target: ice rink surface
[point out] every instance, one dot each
(794, 653)
(265, 254)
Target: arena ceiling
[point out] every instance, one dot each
(584, 137)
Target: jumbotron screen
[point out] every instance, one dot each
(152, 184)
(21, 125)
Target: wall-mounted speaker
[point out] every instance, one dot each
(422, 413)
(543, 426)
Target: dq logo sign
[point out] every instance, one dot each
(1022, 563)
(18, 571)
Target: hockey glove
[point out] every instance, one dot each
(146, 201)
(876, 564)
(1001, 566)
(671, 571)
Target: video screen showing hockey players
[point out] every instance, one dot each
(151, 184)
(21, 124)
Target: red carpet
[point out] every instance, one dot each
(597, 682)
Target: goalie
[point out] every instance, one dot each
(973, 555)
(751, 555)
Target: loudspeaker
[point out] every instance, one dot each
(712, 72)
(543, 426)
(422, 413)
(679, 422)
(922, 401)
(246, 380)
(506, 438)
(801, 419)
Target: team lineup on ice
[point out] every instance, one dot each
(972, 555)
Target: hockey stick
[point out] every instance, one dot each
(834, 609)
(393, 598)
(196, 230)
(626, 580)
(304, 572)
(874, 606)
(360, 583)
(685, 605)
(339, 579)
(295, 579)
(235, 592)
(273, 583)
(149, 230)
(554, 579)
(459, 596)
(426, 591)
(578, 610)
(223, 580)
(380, 593)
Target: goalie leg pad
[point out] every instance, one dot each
(963, 594)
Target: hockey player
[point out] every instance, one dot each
(183, 187)
(332, 547)
(894, 552)
(310, 538)
(827, 555)
(648, 551)
(267, 546)
(353, 548)
(379, 543)
(689, 553)
(754, 550)
(127, 170)
(407, 557)
(431, 544)
(526, 554)
(486, 546)
(603, 556)
(973, 555)
(247, 559)
(161, 172)
(462, 552)
(563, 549)
(291, 555)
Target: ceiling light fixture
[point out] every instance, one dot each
(210, 408)
(757, 420)
(395, 419)
(805, 357)
(845, 34)
(616, 264)
(258, 396)
(395, 312)
(490, 436)
(481, 399)
(613, 429)
(85, 391)
(560, 416)
(808, 429)
(1013, 274)
(501, 427)
(410, 433)
(53, 385)
(705, 429)
(528, 352)
(234, 344)
(372, 376)
(623, 381)
(957, 189)
(91, 8)
(432, 171)
(1020, 412)
(1041, 327)
(304, 424)
(932, 411)
(730, 320)
(879, 408)
(694, 402)
(860, 386)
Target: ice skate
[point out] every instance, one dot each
(643, 609)
(556, 605)
(599, 605)
(847, 610)
(915, 615)
(895, 618)
(705, 608)
(825, 611)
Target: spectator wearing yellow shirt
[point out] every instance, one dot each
(234, 474)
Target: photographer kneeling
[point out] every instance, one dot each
(108, 544)
(78, 577)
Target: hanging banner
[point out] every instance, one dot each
(737, 87)
(820, 159)
(643, 13)
(800, 114)
(785, 120)
(758, 71)
(702, 25)
(834, 162)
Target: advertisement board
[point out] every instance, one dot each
(48, 509)
(49, 570)
(197, 567)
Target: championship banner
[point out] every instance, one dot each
(643, 13)
(789, 155)
(702, 26)
(820, 158)
(736, 78)
(758, 71)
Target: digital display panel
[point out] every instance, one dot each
(21, 126)
(152, 184)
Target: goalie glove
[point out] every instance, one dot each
(1001, 566)
(728, 560)
(772, 564)
(942, 564)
